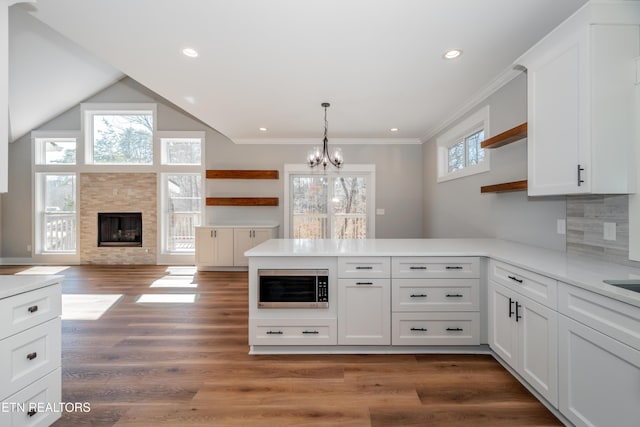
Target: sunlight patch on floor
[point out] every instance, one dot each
(181, 270)
(167, 298)
(175, 282)
(87, 306)
(44, 269)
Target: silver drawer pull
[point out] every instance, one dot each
(454, 329)
(364, 267)
(364, 283)
(32, 309)
(310, 332)
(419, 329)
(32, 356)
(274, 332)
(417, 268)
(451, 267)
(418, 295)
(454, 296)
(515, 279)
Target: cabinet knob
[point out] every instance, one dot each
(32, 356)
(32, 309)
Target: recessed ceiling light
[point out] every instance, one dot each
(393, 129)
(452, 54)
(262, 129)
(191, 53)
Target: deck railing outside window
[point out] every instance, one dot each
(60, 231)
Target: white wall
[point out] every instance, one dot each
(398, 173)
(457, 208)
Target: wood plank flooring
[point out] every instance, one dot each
(187, 365)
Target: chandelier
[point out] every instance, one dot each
(320, 156)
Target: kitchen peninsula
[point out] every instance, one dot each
(546, 315)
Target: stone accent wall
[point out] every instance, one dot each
(118, 192)
(586, 216)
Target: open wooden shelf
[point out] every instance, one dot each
(506, 137)
(242, 201)
(241, 174)
(504, 187)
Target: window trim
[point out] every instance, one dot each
(467, 127)
(87, 111)
(302, 169)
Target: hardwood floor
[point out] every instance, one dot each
(186, 364)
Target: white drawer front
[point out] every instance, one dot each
(36, 405)
(29, 355)
(364, 267)
(436, 294)
(613, 318)
(23, 311)
(293, 332)
(539, 288)
(433, 267)
(435, 329)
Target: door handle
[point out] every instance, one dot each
(580, 180)
(32, 309)
(454, 296)
(515, 279)
(418, 295)
(510, 304)
(517, 307)
(419, 329)
(417, 268)
(364, 283)
(454, 329)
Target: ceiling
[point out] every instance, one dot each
(272, 63)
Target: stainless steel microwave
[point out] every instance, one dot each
(293, 288)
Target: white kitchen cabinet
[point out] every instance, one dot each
(599, 378)
(246, 238)
(524, 334)
(364, 311)
(214, 246)
(580, 102)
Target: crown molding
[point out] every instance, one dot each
(332, 141)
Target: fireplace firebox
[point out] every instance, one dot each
(120, 229)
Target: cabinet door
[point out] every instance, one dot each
(364, 311)
(538, 347)
(599, 377)
(556, 115)
(223, 246)
(205, 248)
(261, 235)
(242, 242)
(503, 337)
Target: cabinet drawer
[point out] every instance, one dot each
(29, 355)
(613, 318)
(23, 311)
(539, 288)
(444, 267)
(364, 267)
(293, 332)
(436, 328)
(436, 294)
(28, 407)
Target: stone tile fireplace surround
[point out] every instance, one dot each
(118, 192)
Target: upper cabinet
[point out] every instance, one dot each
(580, 81)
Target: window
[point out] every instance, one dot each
(330, 205)
(459, 150)
(57, 211)
(55, 151)
(120, 135)
(182, 206)
(181, 151)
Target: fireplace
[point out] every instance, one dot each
(120, 229)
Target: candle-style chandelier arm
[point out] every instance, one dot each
(322, 156)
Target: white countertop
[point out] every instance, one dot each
(11, 285)
(583, 271)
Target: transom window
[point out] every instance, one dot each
(55, 151)
(119, 136)
(459, 149)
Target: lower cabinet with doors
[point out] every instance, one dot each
(435, 300)
(364, 301)
(523, 331)
(599, 357)
(225, 246)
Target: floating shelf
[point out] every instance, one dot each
(241, 174)
(507, 186)
(507, 137)
(242, 201)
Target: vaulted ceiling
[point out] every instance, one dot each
(271, 63)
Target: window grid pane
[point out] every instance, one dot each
(123, 139)
(456, 157)
(182, 151)
(184, 207)
(57, 151)
(59, 216)
(475, 153)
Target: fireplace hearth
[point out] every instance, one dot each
(118, 229)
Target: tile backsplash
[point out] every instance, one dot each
(586, 216)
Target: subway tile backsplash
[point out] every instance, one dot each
(586, 216)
